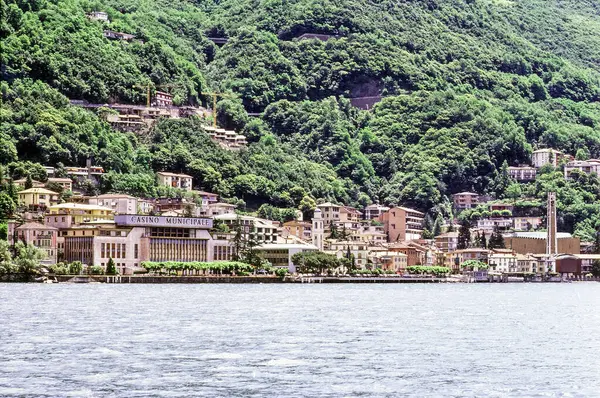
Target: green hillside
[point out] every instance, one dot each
(468, 86)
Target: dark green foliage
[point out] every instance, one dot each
(496, 240)
(111, 268)
(471, 88)
(596, 268)
(464, 235)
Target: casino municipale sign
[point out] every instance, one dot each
(160, 221)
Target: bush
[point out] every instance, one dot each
(428, 270)
(75, 268)
(281, 272)
(96, 270)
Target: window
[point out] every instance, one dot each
(135, 250)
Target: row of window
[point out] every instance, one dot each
(116, 250)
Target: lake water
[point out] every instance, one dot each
(367, 340)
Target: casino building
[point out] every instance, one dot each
(131, 239)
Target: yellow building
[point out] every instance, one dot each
(37, 197)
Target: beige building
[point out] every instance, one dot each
(66, 215)
(535, 242)
(252, 228)
(447, 242)
(340, 249)
(401, 223)
(503, 260)
(465, 200)
(371, 234)
(217, 209)
(526, 223)
(299, 229)
(340, 216)
(388, 260)
(181, 181)
(526, 263)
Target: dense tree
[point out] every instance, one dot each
(496, 240)
(464, 235)
(111, 268)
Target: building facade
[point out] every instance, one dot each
(542, 157)
(37, 198)
(465, 200)
(522, 173)
(173, 180)
(401, 223)
(374, 211)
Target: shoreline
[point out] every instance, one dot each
(259, 279)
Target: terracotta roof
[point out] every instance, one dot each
(36, 225)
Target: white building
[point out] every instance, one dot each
(120, 203)
(280, 254)
(503, 260)
(523, 173)
(98, 16)
(489, 224)
(591, 166)
(375, 210)
(174, 180)
(542, 157)
(254, 228)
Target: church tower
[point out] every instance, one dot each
(551, 236)
(318, 229)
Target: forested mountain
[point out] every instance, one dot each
(469, 87)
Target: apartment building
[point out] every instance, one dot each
(37, 198)
(174, 180)
(401, 223)
(252, 228)
(119, 203)
(340, 249)
(503, 260)
(447, 242)
(465, 200)
(545, 156)
(591, 166)
(522, 173)
(373, 211)
(340, 216)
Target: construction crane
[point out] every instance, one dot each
(147, 87)
(214, 97)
